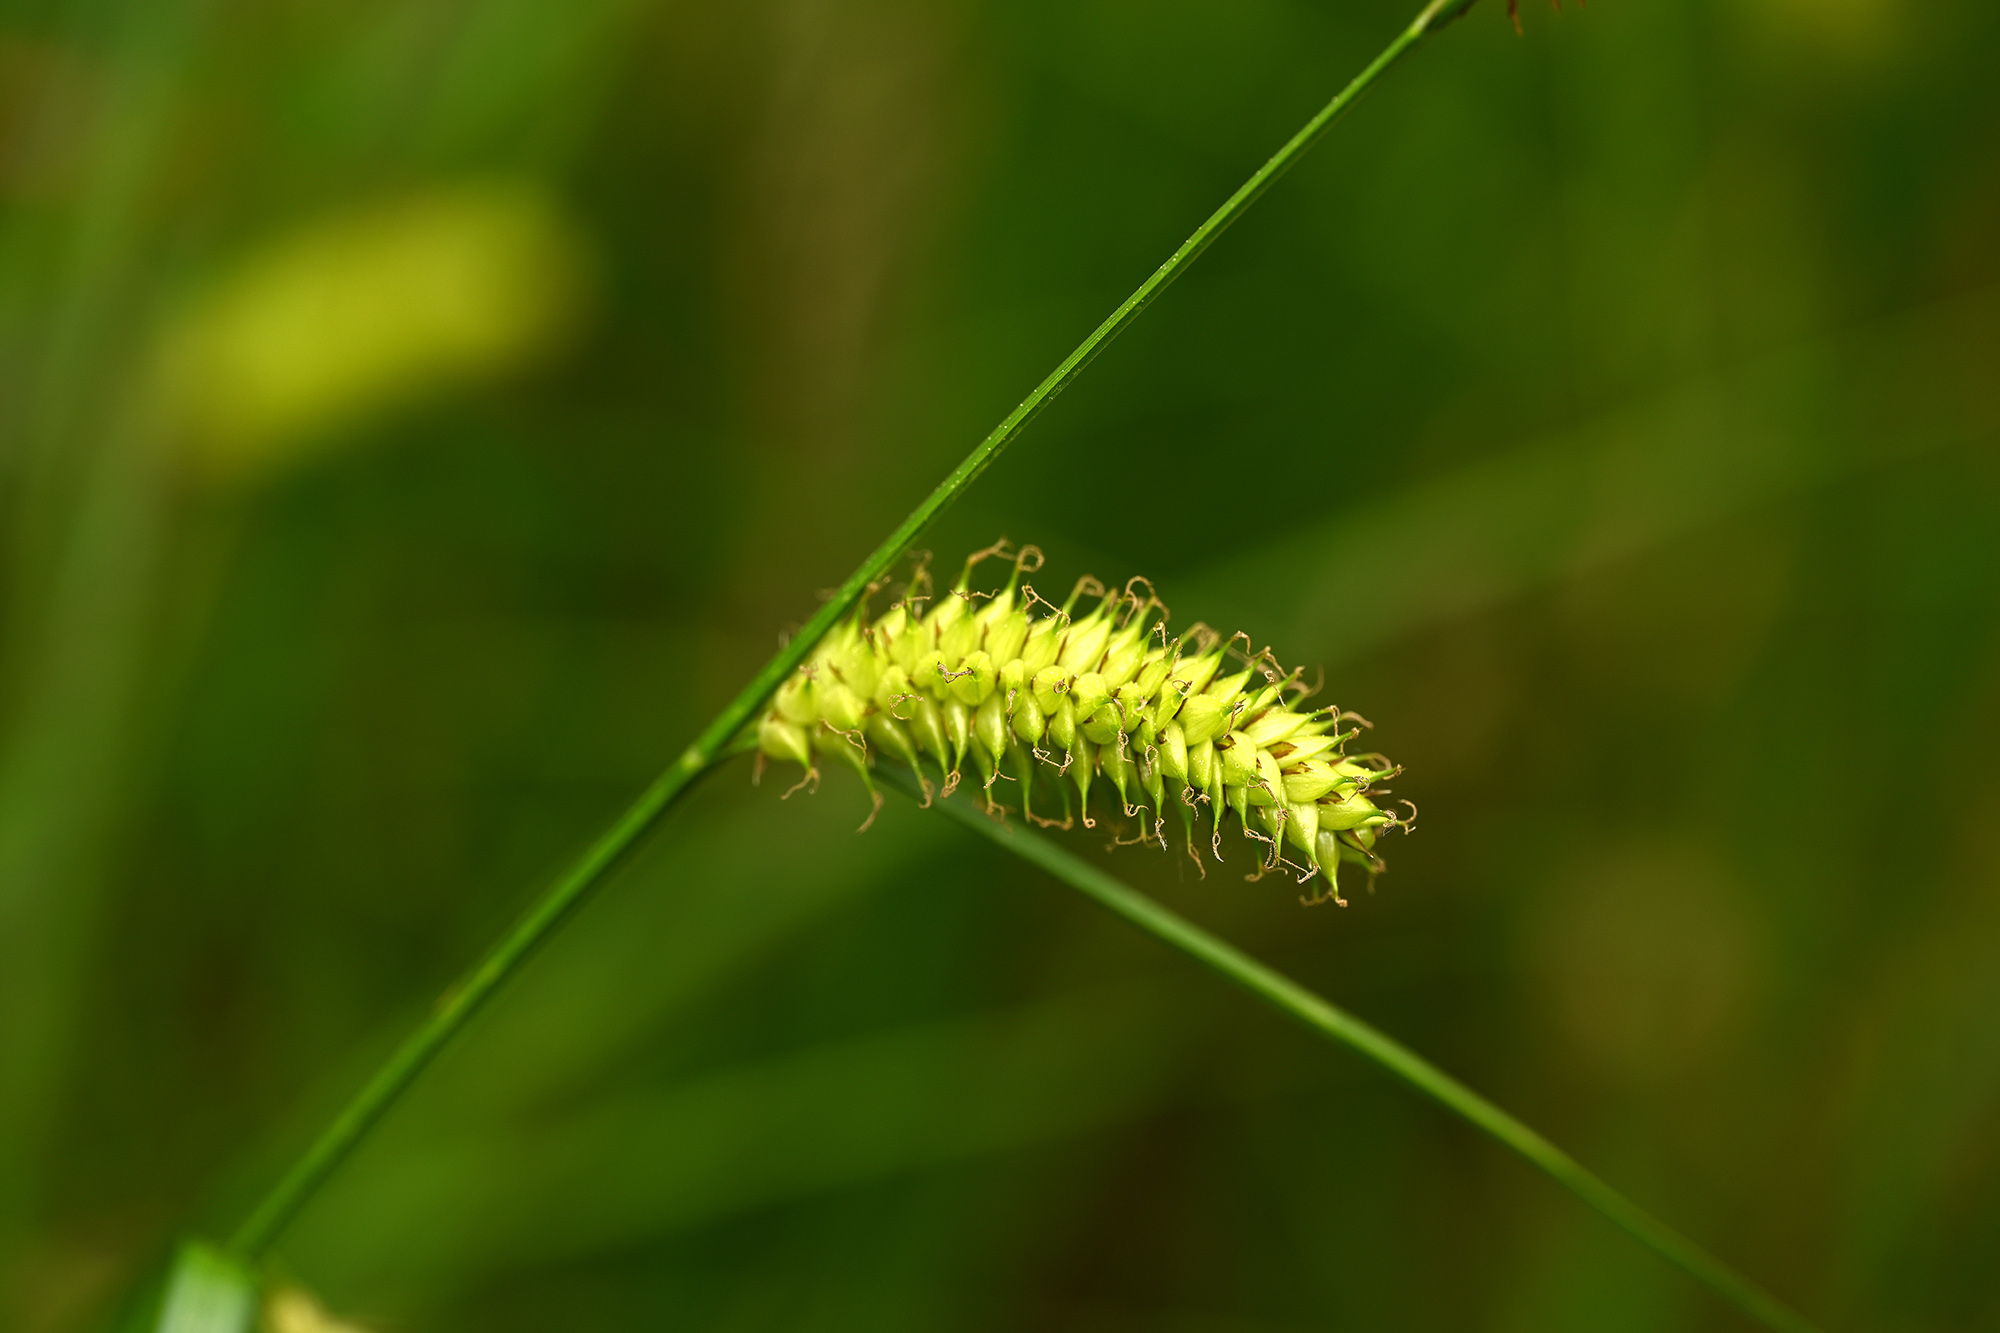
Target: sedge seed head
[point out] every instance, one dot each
(1050, 708)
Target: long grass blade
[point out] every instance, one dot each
(1327, 1019)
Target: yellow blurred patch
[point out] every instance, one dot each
(1858, 32)
(356, 315)
(290, 1310)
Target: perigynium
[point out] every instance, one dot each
(1052, 707)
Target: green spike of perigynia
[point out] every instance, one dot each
(1108, 699)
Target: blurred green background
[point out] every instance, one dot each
(417, 419)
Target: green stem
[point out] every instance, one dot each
(1329, 1020)
(453, 1010)
(460, 1003)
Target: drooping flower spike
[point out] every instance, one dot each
(1064, 707)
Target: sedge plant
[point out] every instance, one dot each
(1058, 706)
(1060, 711)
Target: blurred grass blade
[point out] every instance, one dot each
(830, 1121)
(1329, 1020)
(549, 911)
(1628, 481)
(206, 1292)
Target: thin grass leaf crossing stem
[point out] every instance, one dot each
(254, 1238)
(453, 1010)
(1329, 1020)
